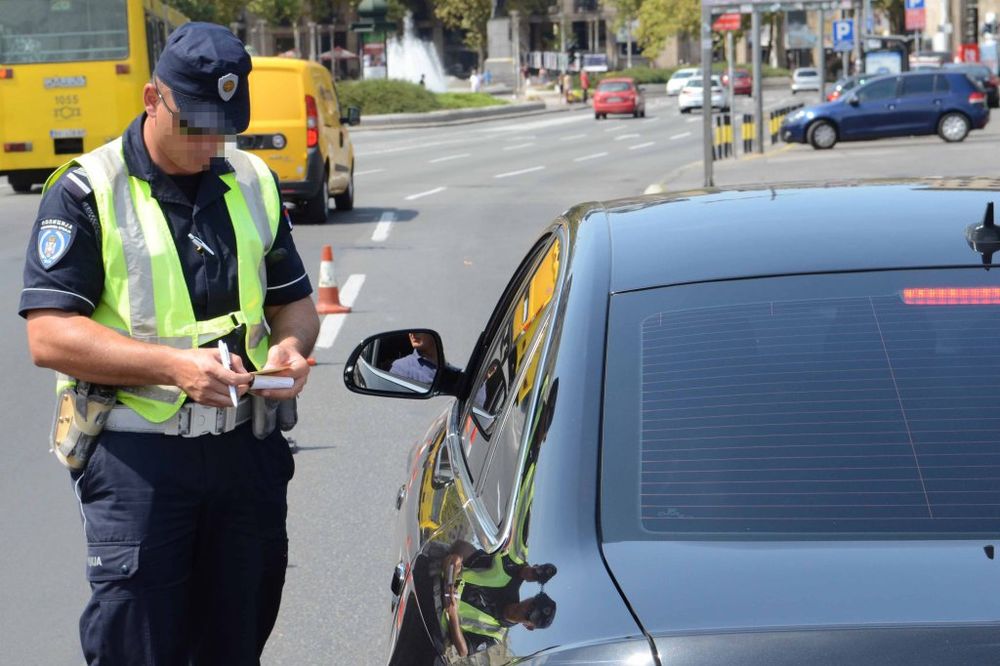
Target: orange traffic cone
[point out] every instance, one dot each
(329, 293)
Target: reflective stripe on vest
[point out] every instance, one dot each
(473, 620)
(145, 295)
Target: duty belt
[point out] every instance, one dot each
(191, 420)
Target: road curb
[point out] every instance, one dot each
(452, 116)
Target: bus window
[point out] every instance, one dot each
(62, 31)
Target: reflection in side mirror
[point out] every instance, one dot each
(403, 364)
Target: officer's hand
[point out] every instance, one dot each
(201, 375)
(298, 367)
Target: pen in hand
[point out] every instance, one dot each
(228, 364)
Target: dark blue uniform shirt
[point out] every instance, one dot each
(64, 269)
(414, 366)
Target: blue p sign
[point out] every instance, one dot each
(842, 31)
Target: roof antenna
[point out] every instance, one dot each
(984, 238)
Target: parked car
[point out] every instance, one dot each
(619, 95)
(805, 78)
(984, 76)
(679, 78)
(948, 103)
(848, 84)
(743, 82)
(718, 428)
(691, 96)
(299, 129)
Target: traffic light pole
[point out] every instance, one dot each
(758, 78)
(706, 91)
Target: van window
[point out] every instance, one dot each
(325, 99)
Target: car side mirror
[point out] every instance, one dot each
(853, 100)
(353, 116)
(401, 364)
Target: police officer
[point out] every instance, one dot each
(146, 253)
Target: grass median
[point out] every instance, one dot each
(376, 97)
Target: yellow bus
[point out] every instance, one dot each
(71, 77)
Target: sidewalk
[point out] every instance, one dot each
(905, 157)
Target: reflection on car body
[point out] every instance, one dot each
(688, 443)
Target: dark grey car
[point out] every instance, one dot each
(718, 428)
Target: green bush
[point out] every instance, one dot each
(467, 100)
(376, 96)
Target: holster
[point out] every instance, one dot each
(270, 414)
(81, 412)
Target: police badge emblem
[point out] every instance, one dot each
(227, 86)
(54, 239)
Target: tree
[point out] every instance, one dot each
(626, 12)
(661, 19)
(470, 16)
(276, 12)
(212, 11)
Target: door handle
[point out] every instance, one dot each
(398, 576)
(400, 497)
(341, 137)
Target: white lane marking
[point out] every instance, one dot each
(368, 171)
(646, 121)
(695, 120)
(447, 158)
(332, 324)
(573, 137)
(420, 195)
(642, 145)
(680, 136)
(518, 172)
(384, 225)
(594, 156)
(616, 128)
(526, 137)
(622, 137)
(519, 146)
(538, 124)
(413, 146)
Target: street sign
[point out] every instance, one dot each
(727, 22)
(916, 17)
(970, 52)
(843, 35)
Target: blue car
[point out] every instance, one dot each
(947, 103)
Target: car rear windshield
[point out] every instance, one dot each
(806, 72)
(614, 86)
(36, 31)
(852, 406)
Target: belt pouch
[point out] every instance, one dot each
(265, 416)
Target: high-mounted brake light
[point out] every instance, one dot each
(6, 73)
(123, 68)
(952, 296)
(312, 122)
(23, 147)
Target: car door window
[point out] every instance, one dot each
(879, 90)
(941, 84)
(498, 481)
(918, 85)
(527, 301)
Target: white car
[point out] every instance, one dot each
(690, 96)
(805, 78)
(679, 78)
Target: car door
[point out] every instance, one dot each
(472, 507)
(875, 111)
(918, 106)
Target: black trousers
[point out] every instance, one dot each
(186, 547)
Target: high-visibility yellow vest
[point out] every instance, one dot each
(473, 620)
(145, 295)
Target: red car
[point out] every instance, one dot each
(742, 82)
(619, 95)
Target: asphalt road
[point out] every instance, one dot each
(443, 216)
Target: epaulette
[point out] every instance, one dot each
(77, 184)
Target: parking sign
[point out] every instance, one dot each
(843, 35)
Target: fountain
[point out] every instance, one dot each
(410, 57)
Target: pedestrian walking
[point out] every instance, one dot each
(584, 84)
(567, 83)
(423, 84)
(159, 275)
(474, 81)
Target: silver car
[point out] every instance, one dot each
(691, 95)
(805, 78)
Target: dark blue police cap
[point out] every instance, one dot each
(206, 67)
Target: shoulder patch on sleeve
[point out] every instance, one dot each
(54, 240)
